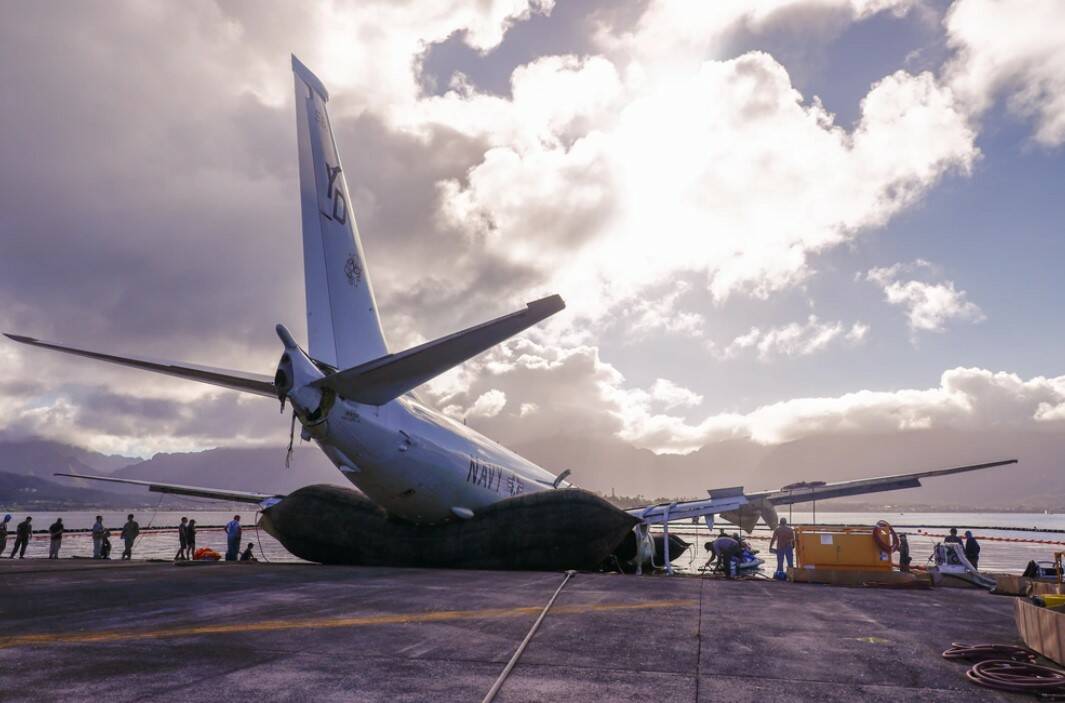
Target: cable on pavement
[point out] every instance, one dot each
(490, 696)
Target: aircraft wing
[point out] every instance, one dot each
(381, 380)
(258, 384)
(820, 490)
(197, 491)
(745, 509)
(721, 500)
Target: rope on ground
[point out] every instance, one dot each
(261, 550)
(699, 640)
(152, 519)
(490, 696)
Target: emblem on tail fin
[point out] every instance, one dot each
(353, 270)
(340, 206)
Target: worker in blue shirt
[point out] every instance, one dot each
(233, 538)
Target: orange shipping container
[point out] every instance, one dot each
(850, 547)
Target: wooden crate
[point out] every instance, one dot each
(1042, 629)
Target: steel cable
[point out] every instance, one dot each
(490, 696)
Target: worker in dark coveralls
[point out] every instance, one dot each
(904, 553)
(190, 539)
(727, 551)
(233, 538)
(3, 533)
(22, 538)
(98, 537)
(55, 533)
(953, 538)
(972, 549)
(183, 540)
(129, 535)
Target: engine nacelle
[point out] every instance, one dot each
(295, 372)
(747, 516)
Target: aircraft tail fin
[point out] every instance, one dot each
(386, 378)
(343, 326)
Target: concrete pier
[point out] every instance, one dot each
(80, 630)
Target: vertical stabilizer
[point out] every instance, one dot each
(343, 327)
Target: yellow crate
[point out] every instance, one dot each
(850, 547)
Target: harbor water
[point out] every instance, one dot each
(1008, 540)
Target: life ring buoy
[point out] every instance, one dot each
(885, 537)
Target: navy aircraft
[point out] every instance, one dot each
(430, 491)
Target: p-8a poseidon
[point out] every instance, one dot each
(431, 491)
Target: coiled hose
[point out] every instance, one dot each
(983, 652)
(1007, 667)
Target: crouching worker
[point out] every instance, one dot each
(249, 553)
(726, 550)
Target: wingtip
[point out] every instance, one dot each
(549, 305)
(307, 76)
(22, 339)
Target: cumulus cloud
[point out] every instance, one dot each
(660, 313)
(646, 158)
(929, 306)
(792, 339)
(589, 398)
(1016, 49)
(489, 404)
(672, 177)
(670, 395)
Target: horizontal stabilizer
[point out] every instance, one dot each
(197, 491)
(258, 384)
(818, 490)
(381, 380)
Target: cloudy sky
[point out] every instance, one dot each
(770, 220)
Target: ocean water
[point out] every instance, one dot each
(1007, 540)
(153, 543)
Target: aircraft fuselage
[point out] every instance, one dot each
(419, 464)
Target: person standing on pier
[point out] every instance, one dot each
(233, 538)
(190, 539)
(972, 549)
(55, 532)
(98, 537)
(3, 533)
(129, 534)
(784, 539)
(904, 553)
(22, 538)
(183, 540)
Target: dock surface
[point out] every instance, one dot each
(80, 630)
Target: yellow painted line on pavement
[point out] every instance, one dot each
(320, 623)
